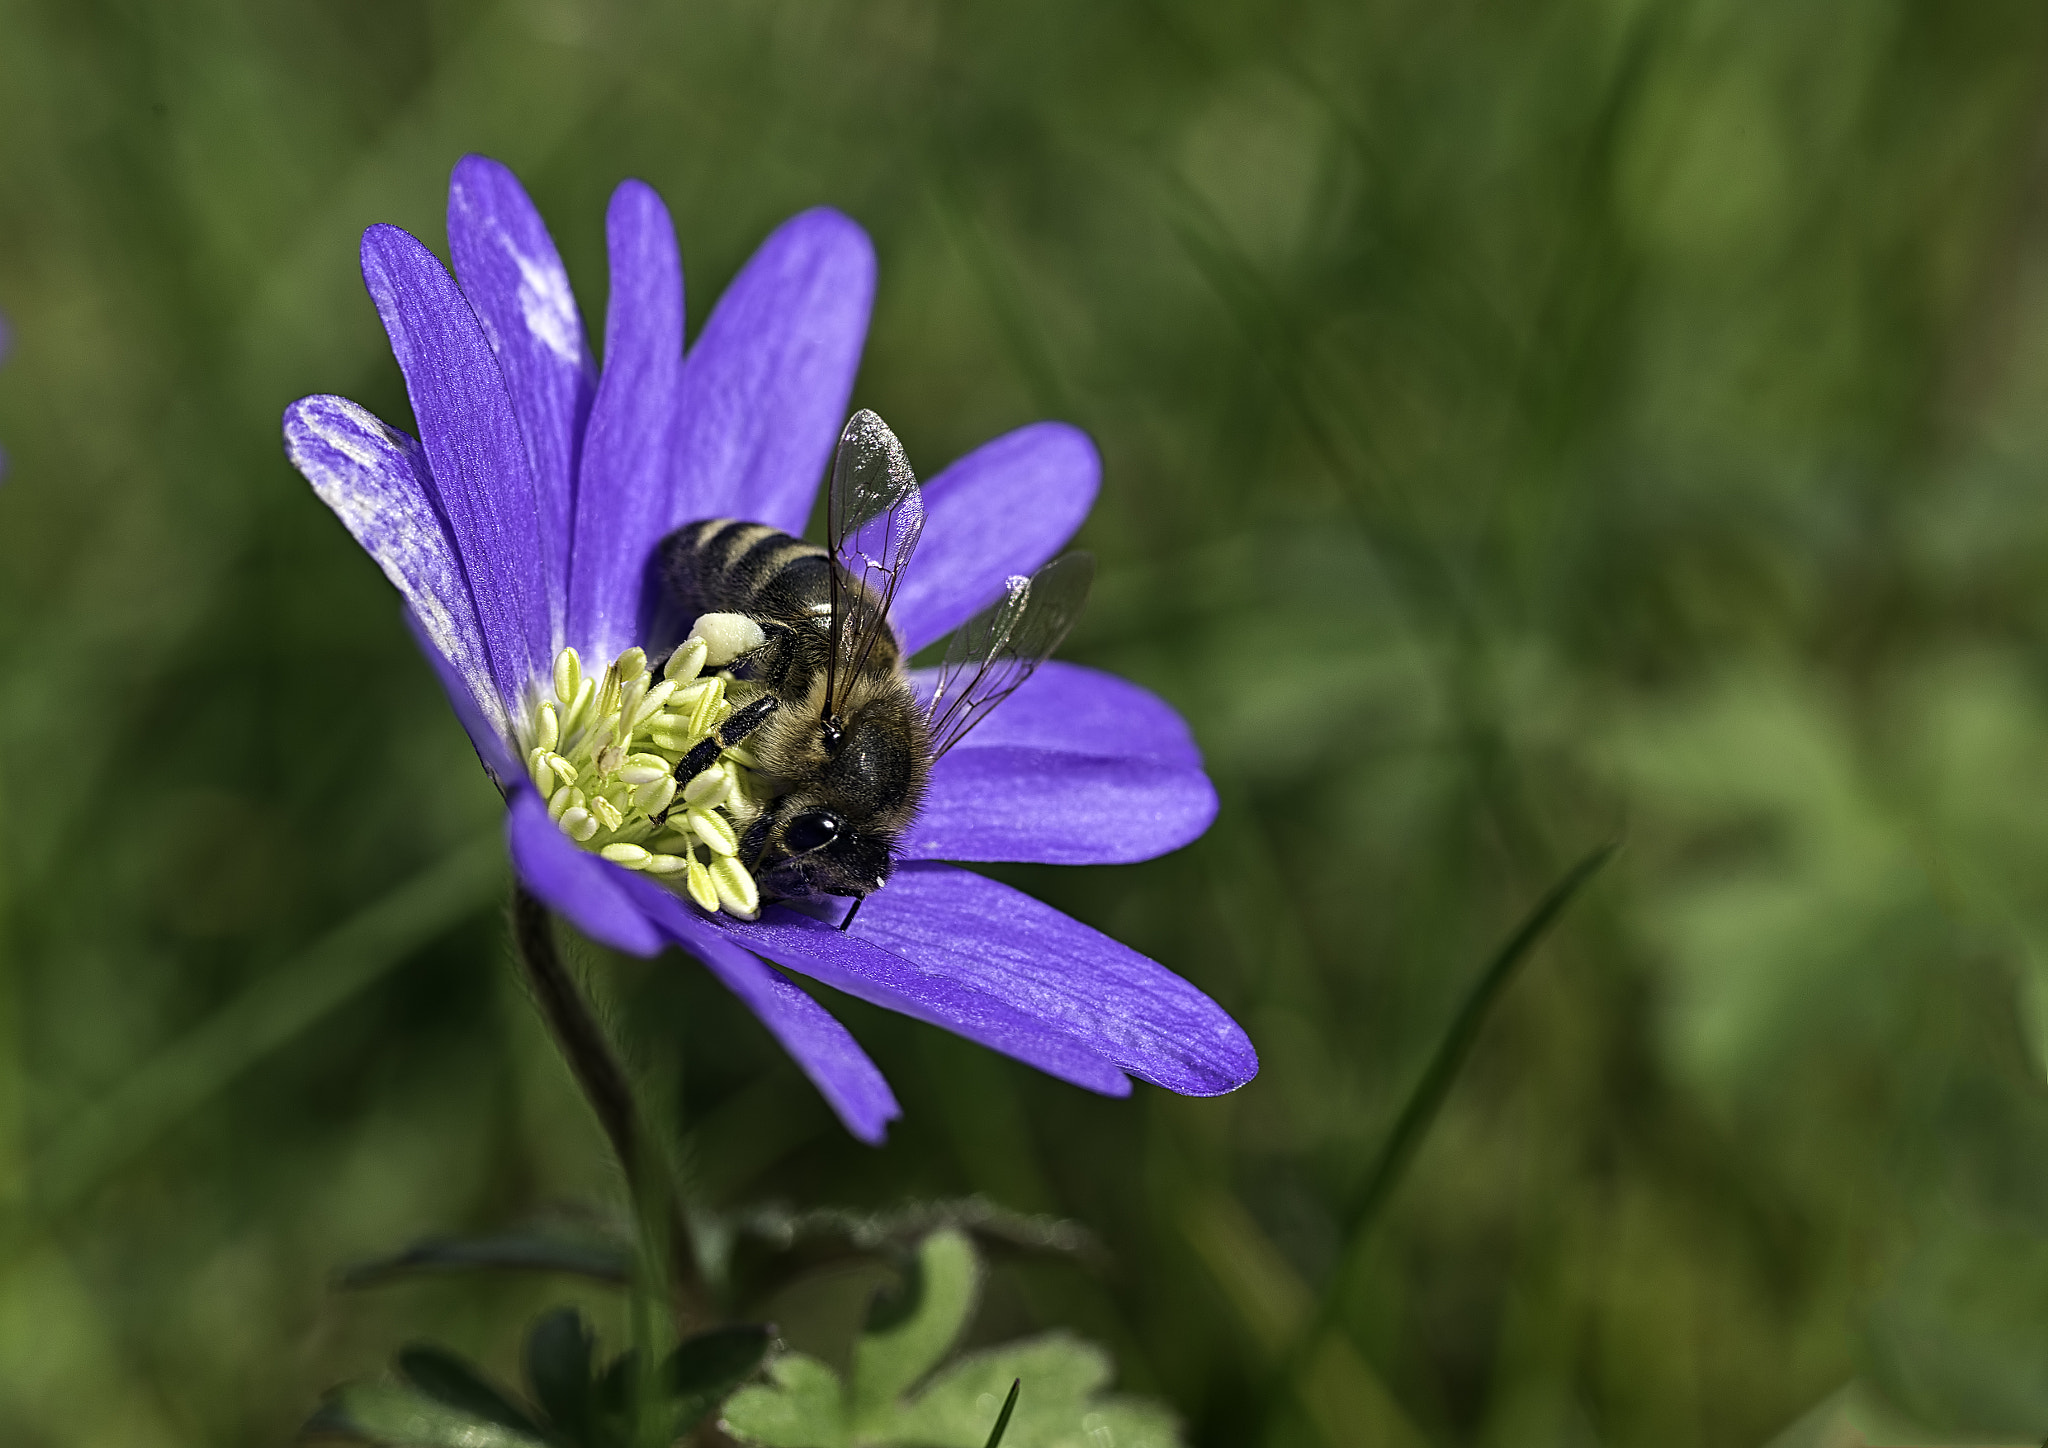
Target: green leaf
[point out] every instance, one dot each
(397, 1416)
(995, 1434)
(559, 1351)
(702, 1372)
(802, 1406)
(910, 1330)
(1059, 1406)
(593, 1257)
(460, 1385)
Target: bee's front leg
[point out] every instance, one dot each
(744, 721)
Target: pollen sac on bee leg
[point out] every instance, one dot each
(603, 752)
(726, 636)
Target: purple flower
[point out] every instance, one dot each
(520, 525)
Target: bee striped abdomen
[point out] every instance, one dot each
(723, 565)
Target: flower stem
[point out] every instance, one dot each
(606, 1086)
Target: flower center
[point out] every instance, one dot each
(603, 753)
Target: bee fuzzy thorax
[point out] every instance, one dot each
(603, 751)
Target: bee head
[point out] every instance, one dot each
(815, 850)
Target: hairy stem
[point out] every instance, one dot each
(606, 1086)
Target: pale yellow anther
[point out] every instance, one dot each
(703, 889)
(604, 750)
(630, 698)
(657, 698)
(568, 675)
(705, 711)
(737, 893)
(654, 796)
(579, 708)
(640, 769)
(710, 789)
(712, 829)
(686, 662)
(685, 699)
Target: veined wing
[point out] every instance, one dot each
(994, 652)
(873, 516)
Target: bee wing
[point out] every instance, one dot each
(994, 652)
(873, 516)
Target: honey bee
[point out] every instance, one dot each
(842, 738)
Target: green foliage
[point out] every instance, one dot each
(1523, 425)
(440, 1400)
(963, 1404)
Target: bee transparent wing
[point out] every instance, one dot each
(994, 652)
(873, 516)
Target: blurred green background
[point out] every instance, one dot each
(1526, 425)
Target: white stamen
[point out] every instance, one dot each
(717, 835)
(604, 751)
(710, 789)
(737, 893)
(686, 662)
(657, 697)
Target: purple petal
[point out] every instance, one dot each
(491, 747)
(851, 962)
(1038, 806)
(1078, 767)
(590, 891)
(375, 479)
(766, 386)
(985, 936)
(476, 459)
(1079, 710)
(621, 497)
(513, 277)
(826, 1052)
(1005, 508)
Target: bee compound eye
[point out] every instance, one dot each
(810, 830)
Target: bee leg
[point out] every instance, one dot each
(846, 920)
(744, 721)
